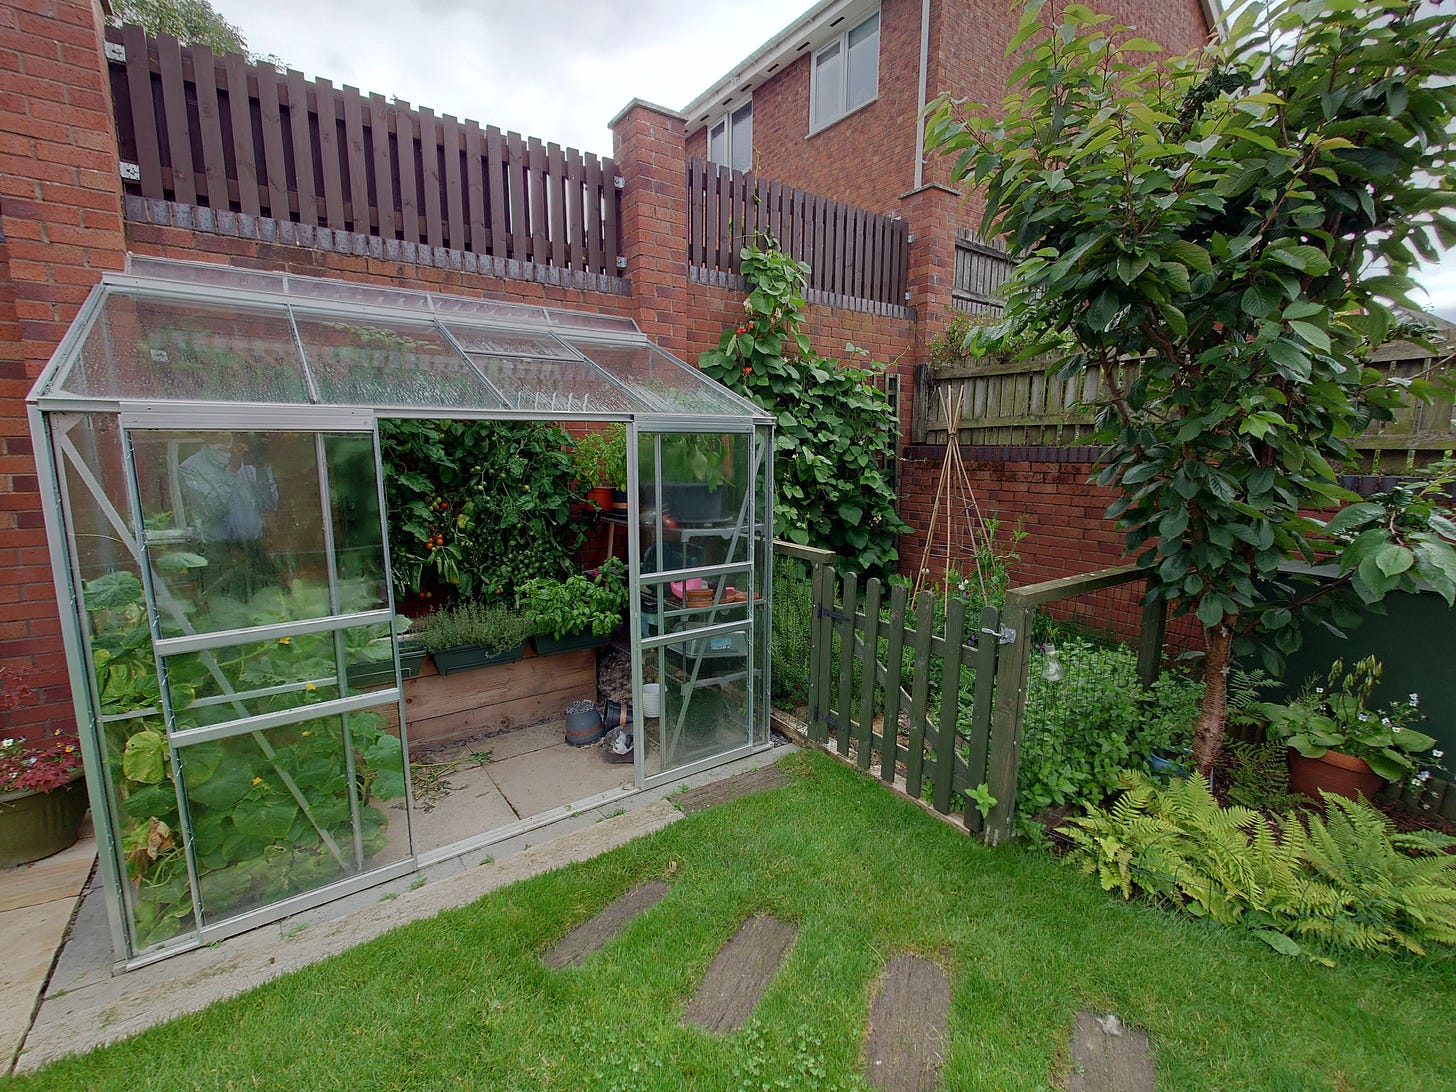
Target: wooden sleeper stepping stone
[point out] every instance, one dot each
(740, 973)
(731, 788)
(1109, 1056)
(577, 946)
(908, 1021)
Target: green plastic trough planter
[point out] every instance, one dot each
(36, 824)
(369, 672)
(574, 642)
(450, 660)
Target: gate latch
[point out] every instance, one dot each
(1004, 636)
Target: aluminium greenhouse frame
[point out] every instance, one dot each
(160, 367)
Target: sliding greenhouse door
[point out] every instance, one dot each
(240, 630)
(699, 565)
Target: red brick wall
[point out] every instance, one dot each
(1054, 503)
(60, 207)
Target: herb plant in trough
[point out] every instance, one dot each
(578, 604)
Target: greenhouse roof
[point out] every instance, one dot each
(199, 334)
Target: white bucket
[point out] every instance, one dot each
(652, 699)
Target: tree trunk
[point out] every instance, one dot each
(1208, 736)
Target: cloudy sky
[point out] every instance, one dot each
(554, 69)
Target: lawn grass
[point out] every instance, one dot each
(463, 1001)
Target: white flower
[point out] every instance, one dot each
(1395, 728)
(1438, 754)
(1415, 700)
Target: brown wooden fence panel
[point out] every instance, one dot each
(215, 131)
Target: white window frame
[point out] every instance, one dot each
(841, 42)
(725, 119)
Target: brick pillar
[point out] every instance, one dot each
(60, 219)
(649, 145)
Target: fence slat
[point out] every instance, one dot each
(919, 694)
(383, 165)
(894, 667)
(516, 172)
(722, 203)
(556, 203)
(270, 120)
(868, 654)
(945, 738)
(696, 192)
(496, 186)
(174, 104)
(609, 222)
(849, 602)
(240, 122)
(305, 182)
(359, 216)
(593, 212)
(409, 202)
(1012, 665)
(143, 109)
(474, 190)
(575, 211)
(209, 124)
(430, 186)
(987, 650)
(536, 176)
(454, 187)
(330, 160)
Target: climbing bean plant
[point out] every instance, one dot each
(836, 430)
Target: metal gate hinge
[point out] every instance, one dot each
(115, 51)
(130, 172)
(619, 182)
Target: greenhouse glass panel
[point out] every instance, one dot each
(554, 387)
(378, 363)
(495, 341)
(350, 459)
(235, 527)
(704, 700)
(662, 384)
(146, 347)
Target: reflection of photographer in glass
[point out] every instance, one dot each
(228, 487)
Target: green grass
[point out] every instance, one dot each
(463, 1001)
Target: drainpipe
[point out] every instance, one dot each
(924, 82)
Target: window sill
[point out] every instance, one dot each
(813, 132)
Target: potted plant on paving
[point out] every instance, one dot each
(42, 791)
(473, 634)
(578, 612)
(1338, 744)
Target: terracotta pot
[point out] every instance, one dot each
(36, 824)
(600, 497)
(1336, 772)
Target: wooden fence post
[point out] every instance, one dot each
(1005, 745)
(987, 652)
(945, 737)
(1151, 634)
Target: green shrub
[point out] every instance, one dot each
(578, 604)
(793, 632)
(1306, 887)
(1082, 730)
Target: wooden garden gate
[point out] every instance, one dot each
(929, 738)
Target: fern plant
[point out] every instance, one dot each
(1304, 886)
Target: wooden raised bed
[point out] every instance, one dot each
(450, 708)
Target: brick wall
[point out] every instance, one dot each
(60, 212)
(1045, 491)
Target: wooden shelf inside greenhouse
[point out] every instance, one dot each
(450, 708)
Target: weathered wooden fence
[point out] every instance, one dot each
(980, 270)
(864, 707)
(208, 130)
(1016, 402)
(850, 251)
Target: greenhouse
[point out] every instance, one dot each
(209, 441)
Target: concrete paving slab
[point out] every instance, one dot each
(520, 741)
(60, 876)
(546, 779)
(471, 804)
(32, 935)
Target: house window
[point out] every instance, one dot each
(846, 73)
(730, 139)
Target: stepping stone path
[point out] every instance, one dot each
(720, 792)
(739, 974)
(1109, 1056)
(908, 1021)
(577, 946)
